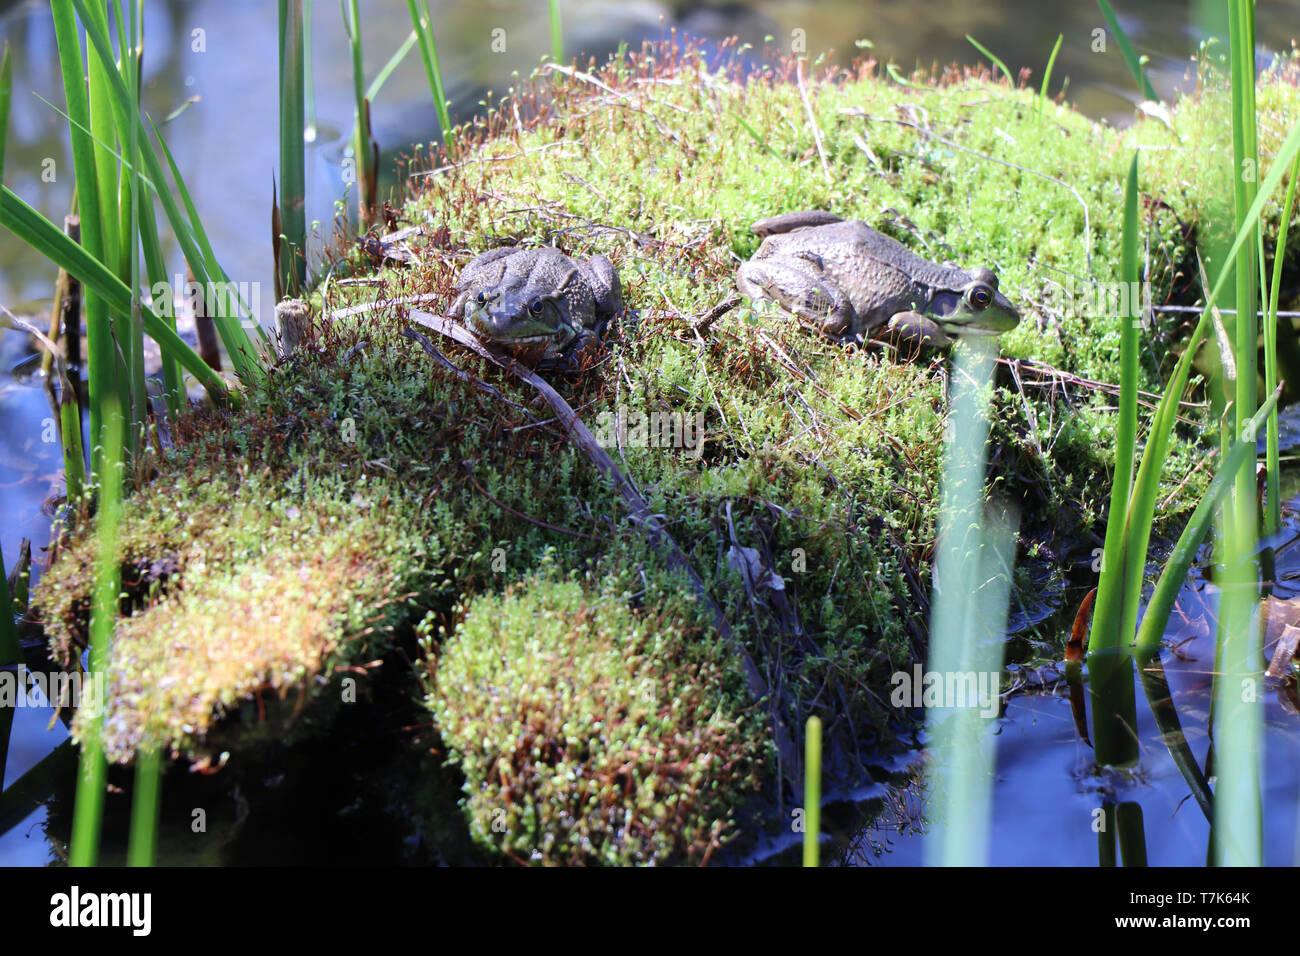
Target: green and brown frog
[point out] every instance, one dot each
(848, 281)
(537, 304)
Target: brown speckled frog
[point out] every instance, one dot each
(847, 280)
(537, 304)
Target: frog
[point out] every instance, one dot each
(848, 281)
(537, 304)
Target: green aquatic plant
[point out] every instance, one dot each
(422, 24)
(1236, 715)
(291, 209)
(812, 791)
(10, 652)
(365, 150)
(119, 176)
(1110, 674)
(1047, 72)
(557, 31)
(972, 582)
(146, 805)
(92, 767)
(1126, 50)
(1273, 485)
(1002, 67)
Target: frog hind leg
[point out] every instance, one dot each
(812, 298)
(790, 221)
(606, 292)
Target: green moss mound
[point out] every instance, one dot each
(589, 731)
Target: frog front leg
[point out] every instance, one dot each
(810, 296)
(572, 339)
(915, 328)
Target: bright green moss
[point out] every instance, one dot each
(589, 731)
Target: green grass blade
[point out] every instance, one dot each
(131, 44)
(309, 88)
(1126, 51)
(361, 136)
(6, 91)
(812, 791)
(1110, 681)
(104, 127)
(1179, 564)
(155, 265)
(100, 349)
(967, 623)
(1236, 713)
(88, 808)
(50, 241)
(242, 354)
(557, 32)
(142, 849)
(74, 455)
(423, 25)
(753, 133)
(1130, 276)
(996, 62)
(1273, 510)
(394, 61)
(293, 161)
(1245, 151)
(1047, 73)
(901, 80)
(10, 651)
(230, 327)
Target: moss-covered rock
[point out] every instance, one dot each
(362, 487)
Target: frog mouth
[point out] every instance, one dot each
(957, 328)
(480, 322)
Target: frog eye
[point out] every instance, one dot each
(482, 297)
(535, 307)
(981, 296)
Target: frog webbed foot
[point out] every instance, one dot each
(813, 299)
(568, 360)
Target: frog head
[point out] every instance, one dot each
(973, 306)
(519, 318)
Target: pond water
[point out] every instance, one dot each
(1047, 789)
(222, 53)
